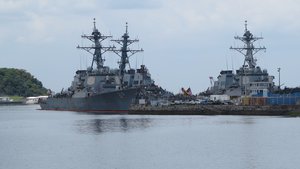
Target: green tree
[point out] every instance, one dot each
(19, 82)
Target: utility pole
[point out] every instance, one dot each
(278, 69)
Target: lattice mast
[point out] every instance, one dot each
(249, 50)
(96, 37)
(125, 42)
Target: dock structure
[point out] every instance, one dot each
(266, 110)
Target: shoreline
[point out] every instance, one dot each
(12, 103)
(186, 109)
(282, 110)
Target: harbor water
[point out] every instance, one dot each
(37, 139)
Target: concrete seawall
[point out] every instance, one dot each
(217, 110)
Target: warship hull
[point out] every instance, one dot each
(110, 102)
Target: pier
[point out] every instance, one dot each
(185, 109)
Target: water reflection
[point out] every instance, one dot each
(98, 126)
(248, 120)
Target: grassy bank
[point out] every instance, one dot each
(17, 98)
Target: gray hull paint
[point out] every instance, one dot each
(111, 101)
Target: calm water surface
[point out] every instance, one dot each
(35, 139)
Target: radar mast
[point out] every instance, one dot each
(96, 37)
(249, 50)
(125, 42)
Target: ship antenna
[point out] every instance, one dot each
(226, 63)
(246, 26)
(94, 24)
(126, 27)
(232, 63)
(135, 62)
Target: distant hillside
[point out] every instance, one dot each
(18, 82)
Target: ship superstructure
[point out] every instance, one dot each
(249, 79)
(100, 88)
(131, 77)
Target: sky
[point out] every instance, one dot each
(184, 42)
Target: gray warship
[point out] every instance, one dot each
(100, 88)
(250, 79)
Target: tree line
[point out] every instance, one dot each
(18, 82)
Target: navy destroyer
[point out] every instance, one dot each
(249, 79)
(100, 88)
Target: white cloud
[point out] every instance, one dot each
(38, 29)
(40, 20)
(12, 5)
(201, 15)
(132, 4)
